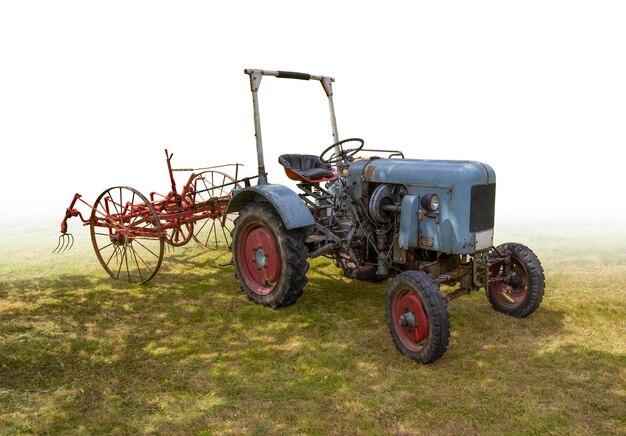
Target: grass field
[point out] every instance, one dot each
(82, 354)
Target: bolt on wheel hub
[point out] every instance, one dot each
(407, 320)
(260, 258)
(120, 238)
(257, 254)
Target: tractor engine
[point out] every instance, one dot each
(421, 212)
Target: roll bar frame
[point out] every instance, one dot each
(255, 81)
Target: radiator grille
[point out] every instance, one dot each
(482, 207)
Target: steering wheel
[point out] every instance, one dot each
(343, 154)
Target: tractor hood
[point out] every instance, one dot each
(416, 172)
(463, 222)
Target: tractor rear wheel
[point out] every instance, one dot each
(270, 260)
(520, 294)
(417, 316)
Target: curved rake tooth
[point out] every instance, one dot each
(66, 242)
(63, 242)
(70, 242)
(58, 245)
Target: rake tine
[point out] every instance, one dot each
(70, 242)
(63, 245)
(58, 245)
(66, 242)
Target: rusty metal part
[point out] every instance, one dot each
(315, 238)
(381, 239)
(368, 171)
(124, 223)
(209, 201)
(456, 294)
(325, 249)
(454, 275)
(392, 208)
(214, 167)
(501, 264)
(392, 153)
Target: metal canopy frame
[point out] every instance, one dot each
(255, 81)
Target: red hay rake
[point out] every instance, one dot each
(129, 232)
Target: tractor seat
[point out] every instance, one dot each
(306, 167)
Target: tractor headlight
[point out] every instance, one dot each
(430, 202)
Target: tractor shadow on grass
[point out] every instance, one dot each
(188, 352)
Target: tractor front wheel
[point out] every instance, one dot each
(417, 316)
(516, 289)
(270, 260)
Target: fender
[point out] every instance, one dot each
(409, 222)
(292, 210)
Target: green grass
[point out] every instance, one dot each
(187, 353)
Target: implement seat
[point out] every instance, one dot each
(307, 167)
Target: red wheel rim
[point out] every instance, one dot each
(257, 258)
(409, 319)
(510, 295)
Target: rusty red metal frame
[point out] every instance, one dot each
(174, 210)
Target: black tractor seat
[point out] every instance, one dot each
(306, 167)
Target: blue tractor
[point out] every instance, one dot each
(421, 223)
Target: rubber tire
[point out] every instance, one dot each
(291, 250)
(436, 310)
(536, 280)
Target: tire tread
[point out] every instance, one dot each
(295, 251)
(536, 280)
(437, 312)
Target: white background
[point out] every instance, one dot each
(91, 93)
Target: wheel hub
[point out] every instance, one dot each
(257, 254)
(511, 290)
(515, 283)
(119, 239)
(407, 320)
(260, 258)
(410, 319)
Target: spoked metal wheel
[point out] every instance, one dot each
(179, 231)
(126, 235)
(207, 188)
(179, 236)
